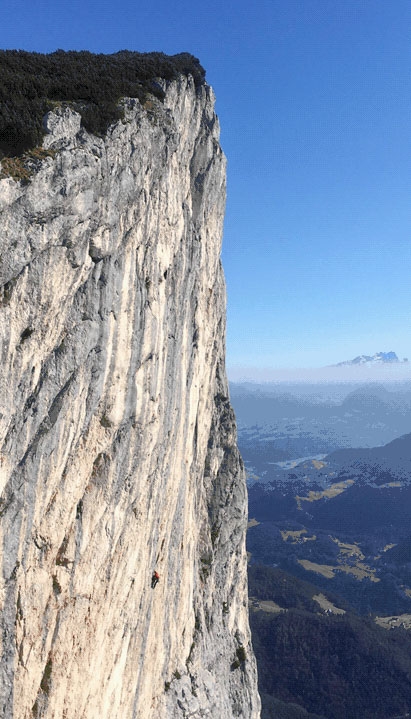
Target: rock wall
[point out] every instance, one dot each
(117, 439)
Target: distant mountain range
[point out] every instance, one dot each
(377, 359)
(283, 422)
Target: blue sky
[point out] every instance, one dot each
(314, 100)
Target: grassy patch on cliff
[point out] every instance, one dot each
(30, 83)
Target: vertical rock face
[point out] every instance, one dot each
(117, 439)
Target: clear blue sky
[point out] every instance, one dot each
(314, 99)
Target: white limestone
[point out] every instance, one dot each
(117, 440)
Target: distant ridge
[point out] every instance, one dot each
(377, 359)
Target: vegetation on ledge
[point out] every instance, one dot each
(31, 83)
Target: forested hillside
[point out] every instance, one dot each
(322, 658)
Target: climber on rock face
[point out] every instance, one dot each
(154, 579)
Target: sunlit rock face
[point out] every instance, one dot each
(117, 439)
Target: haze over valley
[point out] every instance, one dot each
(329, 542)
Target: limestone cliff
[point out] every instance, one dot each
(117, 439)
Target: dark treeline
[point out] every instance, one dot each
(93, 84)
(333, 666)
(286, 590)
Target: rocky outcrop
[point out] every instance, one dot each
(117, 439)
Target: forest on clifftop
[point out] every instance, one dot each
(31, 84)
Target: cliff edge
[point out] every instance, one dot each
(118, 448)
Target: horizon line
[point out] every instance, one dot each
(391, 372)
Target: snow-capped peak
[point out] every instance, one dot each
(378, 358)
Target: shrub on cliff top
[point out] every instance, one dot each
(93, 84)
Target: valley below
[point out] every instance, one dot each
(329, 546)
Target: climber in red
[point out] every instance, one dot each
(154, 579)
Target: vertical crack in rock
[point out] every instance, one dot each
(118, 448)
